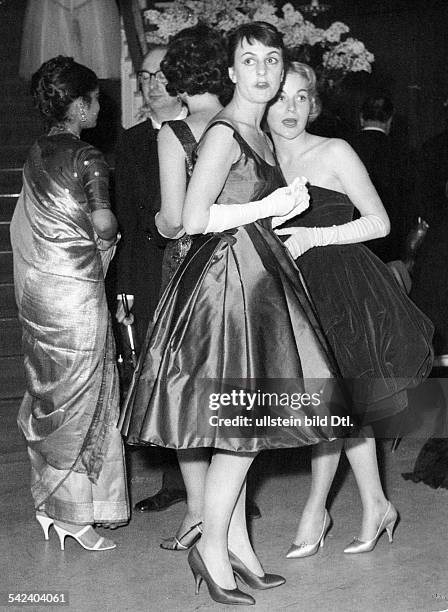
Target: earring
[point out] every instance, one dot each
(82, 114)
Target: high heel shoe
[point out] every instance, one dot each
(233, 597)
(267, 581)
(45, 522)
(100, 544)
(387, 524)
(183, 542)
(298, 551)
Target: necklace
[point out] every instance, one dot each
(60, 129)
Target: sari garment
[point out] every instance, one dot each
(70, 409)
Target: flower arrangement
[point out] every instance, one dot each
(331, 52)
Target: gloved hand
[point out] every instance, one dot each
(301, 239)
(302, 202)
(281, 202)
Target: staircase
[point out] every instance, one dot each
(19, 126)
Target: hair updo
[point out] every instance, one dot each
(59, 82)
(196, 63)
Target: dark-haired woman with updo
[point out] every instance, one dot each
(63, 234)
(195, 67)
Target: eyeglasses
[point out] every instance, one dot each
(144, 76)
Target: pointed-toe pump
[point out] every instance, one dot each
(100, 544)
(185, 541)
(298, 551)
(233, 597)
(267, 581)
(45, 522)
(387, 524)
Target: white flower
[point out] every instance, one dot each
(267, 13)
(358, 47)
(339, 53)
(334, 32)
(290, 15)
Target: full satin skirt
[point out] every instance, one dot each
(235, 311)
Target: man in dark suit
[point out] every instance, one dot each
(388, 167)
(139, 265)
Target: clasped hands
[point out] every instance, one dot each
(299, 239)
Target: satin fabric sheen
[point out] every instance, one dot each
(70, 408)
(381, 340)
(235, 309)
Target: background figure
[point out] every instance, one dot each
(140, 254)
(388, 168)
(87, 30)
(63, 235)
(432, 176)
(430, 274)
(430, 293)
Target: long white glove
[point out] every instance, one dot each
(294, 197)
(301, 239)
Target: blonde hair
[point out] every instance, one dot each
(308, 73)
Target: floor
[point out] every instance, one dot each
(409, 575)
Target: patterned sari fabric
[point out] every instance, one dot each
(70, 409)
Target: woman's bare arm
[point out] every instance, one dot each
(216, 154)
(173, 183)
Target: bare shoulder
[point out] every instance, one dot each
(338, 146)
(219, 132)
(166, 136)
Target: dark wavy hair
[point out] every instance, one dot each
(59, 82)
(260, 31)
(196, 63)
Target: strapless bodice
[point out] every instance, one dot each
(327, 207)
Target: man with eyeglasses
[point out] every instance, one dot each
(139, 265)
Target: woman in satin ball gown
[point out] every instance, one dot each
(234, 309)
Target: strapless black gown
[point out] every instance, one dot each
(381, 340)
(235, 309)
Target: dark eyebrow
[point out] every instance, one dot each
(270, 52)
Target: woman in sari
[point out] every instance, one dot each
(63, 234)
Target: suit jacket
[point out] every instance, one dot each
(432, 177)
(137, 191)
(388, 168)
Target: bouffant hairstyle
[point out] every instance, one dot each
(59, 82)
(195, 63)
(260, 31)
(377, 108)
(307, 73)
